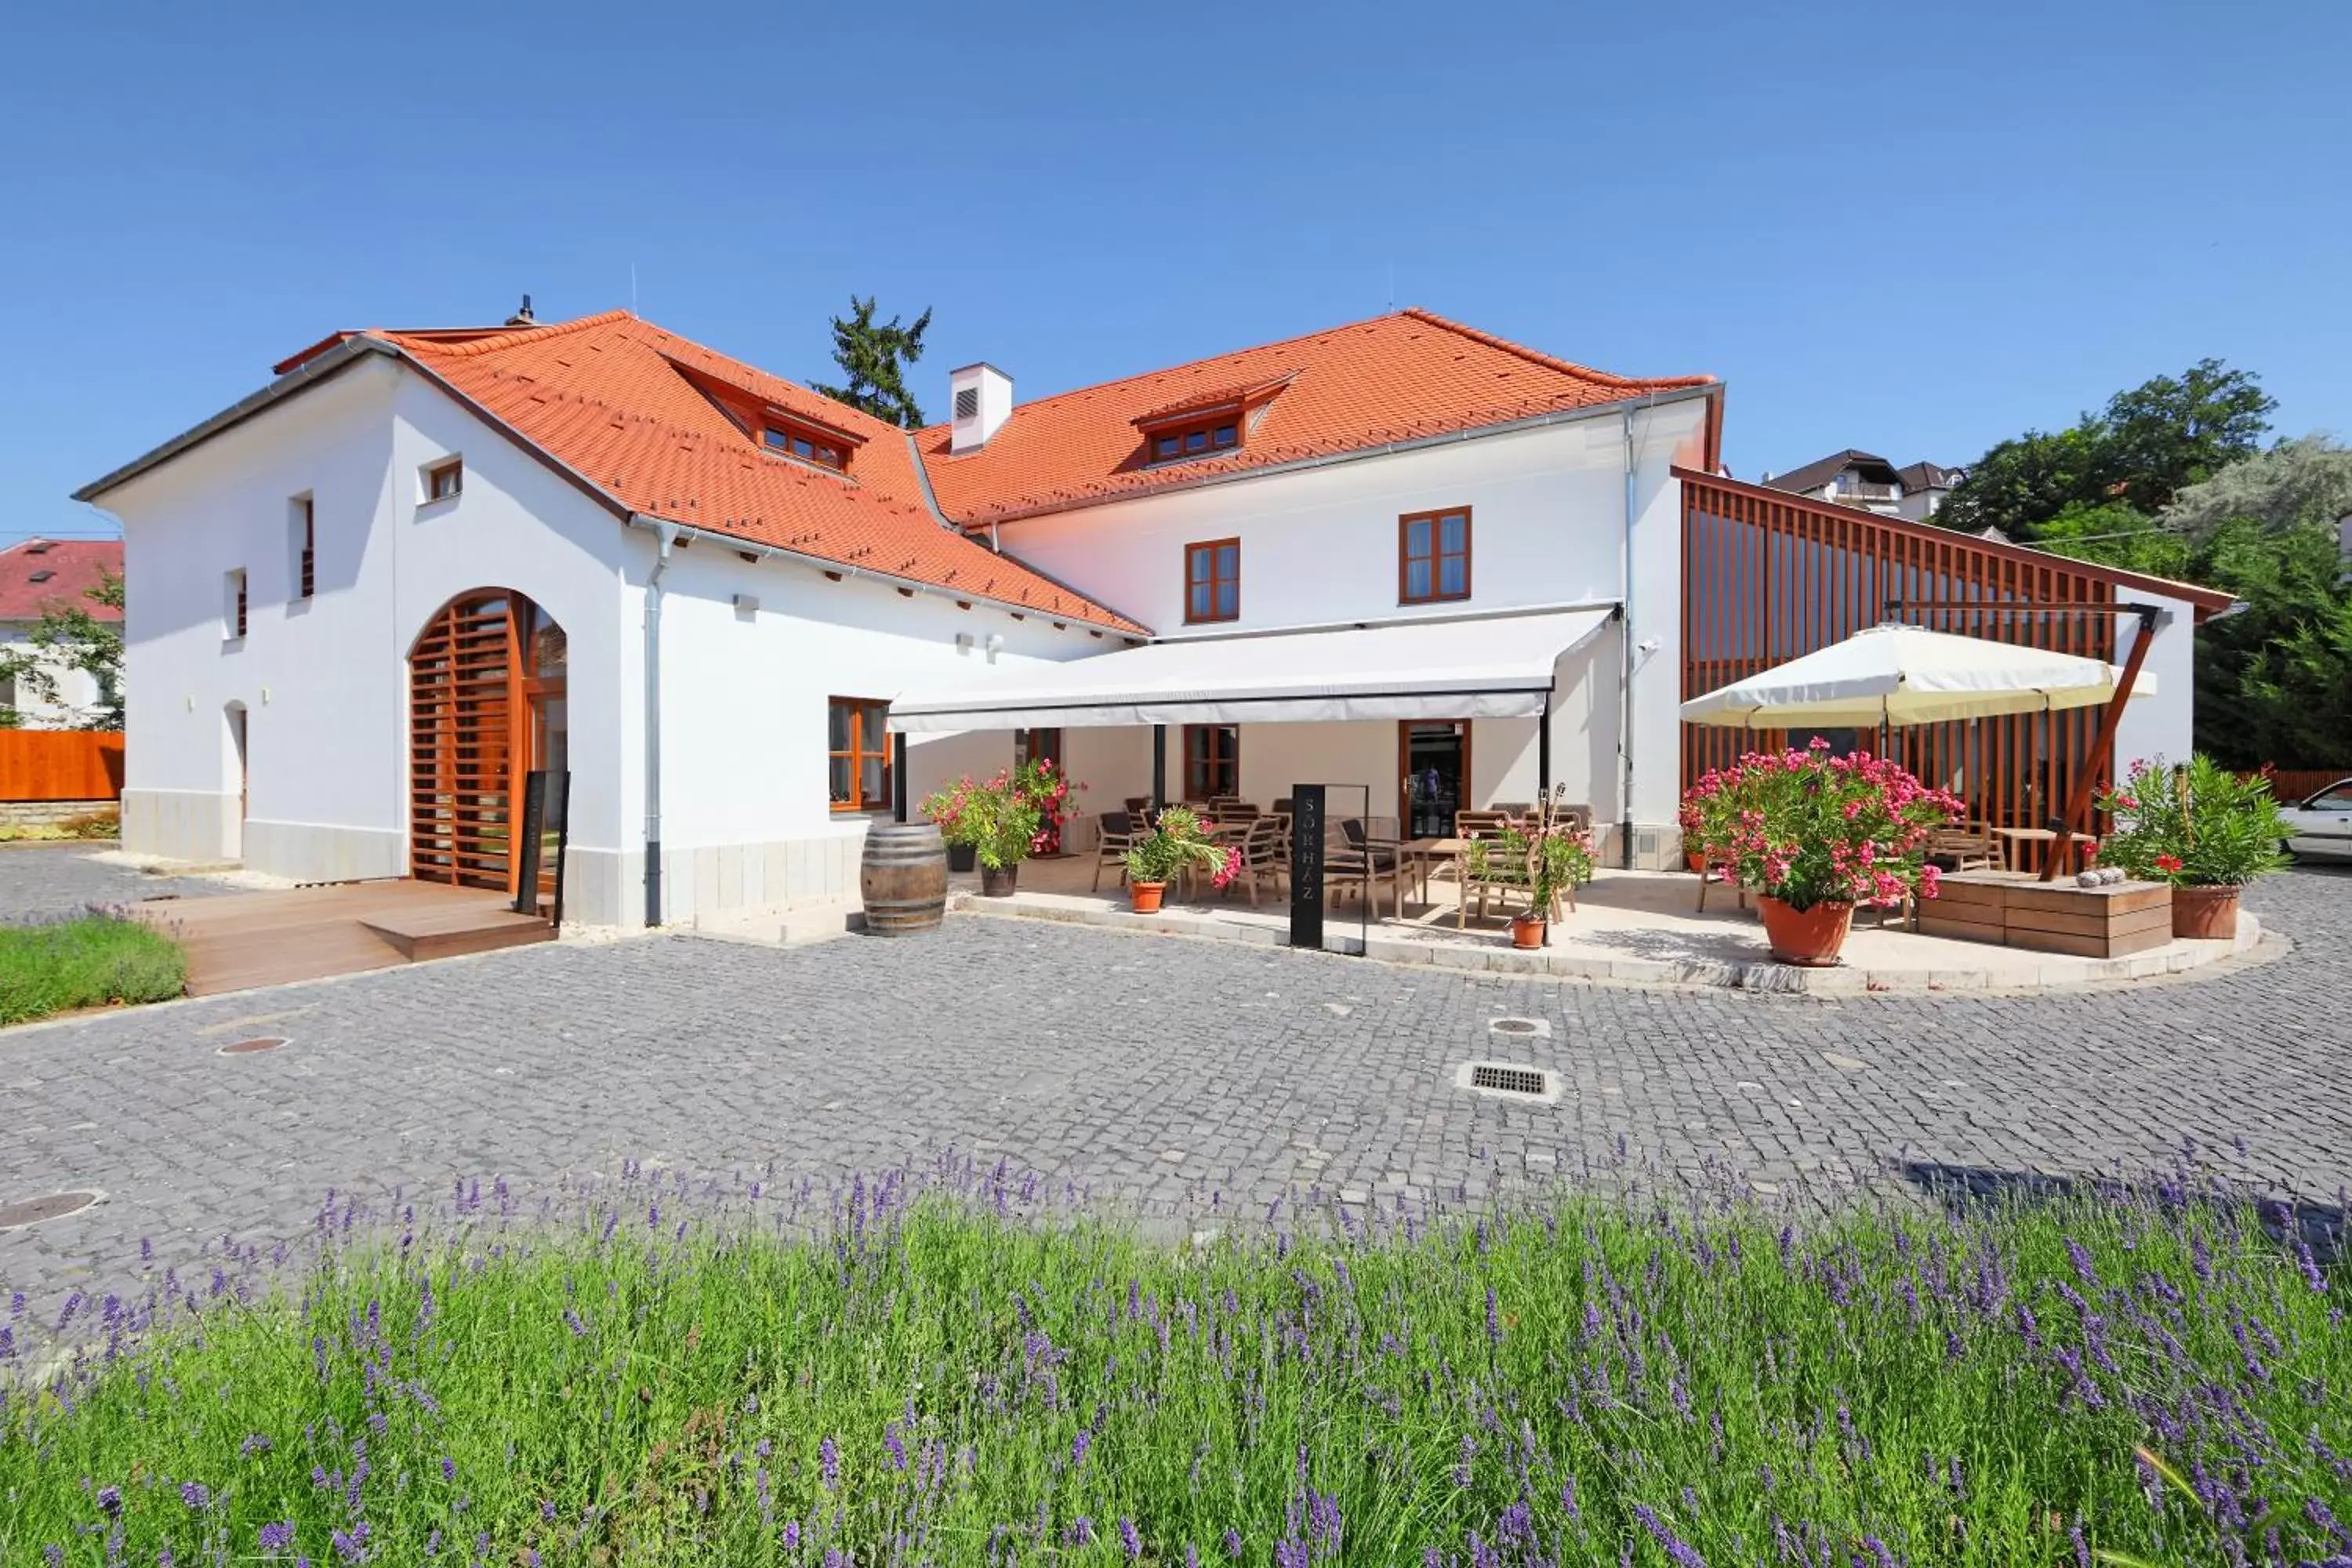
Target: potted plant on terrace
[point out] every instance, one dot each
(1161, 852)
(2201, 827)
(1815, 835)
(996, 819)
(1051, 789)
(1547, 853)
(945, 807)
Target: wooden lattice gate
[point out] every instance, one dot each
(465, 708)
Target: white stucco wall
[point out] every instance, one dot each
(747, 819)
(2159, 723)
(323, 681)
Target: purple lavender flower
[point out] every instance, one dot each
(1078, 1446)
(254, 1443)
(110, 1500)
(448, 1468)
(790, 1539)
(829, 1457)
(195, 1495)
(278, 1537)
(1681, 1552)
(1130, 1540)
(1233, 1543)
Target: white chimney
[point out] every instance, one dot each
(981, 395)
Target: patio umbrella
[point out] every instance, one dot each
(1896, 674)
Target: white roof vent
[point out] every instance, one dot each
(983, 399)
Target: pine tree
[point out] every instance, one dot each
(873, 357)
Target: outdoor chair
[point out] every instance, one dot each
(1515, 809)
(1264, 854)
(1725, 863)
(1117, 831)
(1968, 848)
(1371, 858)
(1480, 823)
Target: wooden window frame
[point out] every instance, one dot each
(772, 429)
(1209, 430)
(307, 561)
(1229, 761)
(857, 755)
(1437, 556)
(455, 469)
(1214, 582)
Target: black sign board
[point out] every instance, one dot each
(1307, 866)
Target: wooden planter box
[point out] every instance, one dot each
(2011, 909)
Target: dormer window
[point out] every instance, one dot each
(1198, 441)
(809, 446)
(42, 575)
(1208, 423)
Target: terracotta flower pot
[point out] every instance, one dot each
(1000, 881)
(1526, 931)
(1146, 896)
(2205, 914)
(1695, 860)
(1810, 939)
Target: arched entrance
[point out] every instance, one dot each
(486, 706)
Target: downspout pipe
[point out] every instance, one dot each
(665, 536)
(1625, 672)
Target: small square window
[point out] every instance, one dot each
(443, 481)
(233, 606)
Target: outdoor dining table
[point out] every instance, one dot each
(2013, 837)
(1421, 851)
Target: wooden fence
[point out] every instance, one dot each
(2290, 784)
(61, 765)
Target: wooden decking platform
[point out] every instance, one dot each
(239, 940)
(2016, 908)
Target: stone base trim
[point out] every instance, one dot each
(40, 813)
(1549, 964)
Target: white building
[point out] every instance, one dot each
(367, 598)
(1869, 481)
(39, 690)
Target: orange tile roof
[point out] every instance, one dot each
(604, 396)
(1352, 388)
(74, 566)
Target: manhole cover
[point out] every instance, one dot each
(49, 1205)
(1522, 1027)
(1508, 1080)
(249, 1048)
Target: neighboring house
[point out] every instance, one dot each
(749, 621)
(1867, 480)
(35, 575)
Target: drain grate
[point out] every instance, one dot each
(249, 1048)
(1509, 1080)
(49, 1205)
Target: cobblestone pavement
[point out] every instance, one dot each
(1158, 1072)
(51, 882)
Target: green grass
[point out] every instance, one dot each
(1925, 1389)
(85, 962)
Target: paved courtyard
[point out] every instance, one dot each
(1173, 1075)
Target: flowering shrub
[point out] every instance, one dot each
(2202, 827)
(1050, 789)
(998, 818)
(1810, 828)
(1549, 856)
(1177, 840)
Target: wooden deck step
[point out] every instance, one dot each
(431, 933)
(239, 940)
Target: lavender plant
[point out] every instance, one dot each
(897, 1374)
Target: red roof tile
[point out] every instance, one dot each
(1352, 388)
(616, 400)
(75, 566)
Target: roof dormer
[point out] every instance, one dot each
(1207, 423)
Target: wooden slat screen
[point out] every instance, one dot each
(462, 711)
(1768, 579)
(61, 765)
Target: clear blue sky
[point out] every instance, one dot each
(1911, 229)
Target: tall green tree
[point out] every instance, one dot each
(68, 637)
(873, 356)
(2146, 446)
(2274, 681)
(2306, 480)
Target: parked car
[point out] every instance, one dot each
(2320, 828)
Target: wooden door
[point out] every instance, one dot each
(466, 747)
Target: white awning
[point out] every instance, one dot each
(1490, 667)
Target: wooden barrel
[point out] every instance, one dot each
(904, 878)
